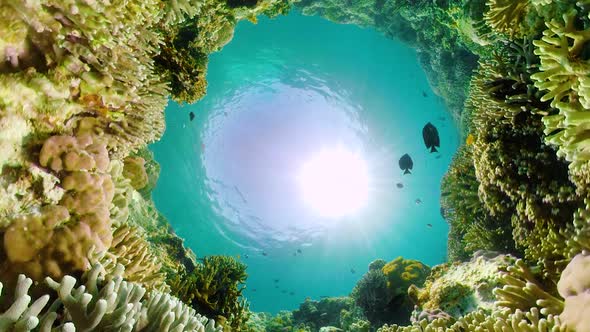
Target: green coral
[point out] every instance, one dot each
(382, 292)
(472, 227)
(214, 288)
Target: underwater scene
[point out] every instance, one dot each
(295, 165)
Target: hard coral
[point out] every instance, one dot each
(382, 294)
(100, 304)
(574, 287)
(214, 288)
(65, 233)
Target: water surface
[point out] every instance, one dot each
(279, 92)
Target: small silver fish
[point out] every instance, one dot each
(418, 201)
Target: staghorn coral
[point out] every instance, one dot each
(100, 304)
(214, 288)
(573, 287)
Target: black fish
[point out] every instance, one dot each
(191, 116)
(399, 185)
(276, 280)
(430, 135)
(298, 251)
(291, 293)
(277, 286)
(406, 163)
(284, 291)
(424, 94)
(352, 271)
(246, 256)
(264, 253)
(429, 225)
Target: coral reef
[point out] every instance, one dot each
(461, 288)
(573, 287)
(382, 292)
(100, 304)
(214, 288)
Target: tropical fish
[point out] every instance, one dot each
(246, 256)
(191, 116)
(276, 280)
(264, 253)
(253, 289)
(284, 291)
(291, 293)
(418, 201)
(429, 225)
(470, 139)
(298, 251)
(437, 157)
(277, 286)
(399, 185)
(294, 254)
(430, 135)
(238, 256)
(406, 163)
(352, 271)
(424, 94)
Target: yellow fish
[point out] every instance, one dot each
(238, 256)
(470, 139)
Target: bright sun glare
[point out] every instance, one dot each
(334, 182)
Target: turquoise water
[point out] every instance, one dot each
(280, 91)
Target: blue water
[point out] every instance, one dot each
(280, 91)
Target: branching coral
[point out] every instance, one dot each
(79, 66)
(505, 16)
(131, 250)
(214, 288)
(519, 175)
(100, 305)
(564, 75)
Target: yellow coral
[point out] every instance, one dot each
(505, 16)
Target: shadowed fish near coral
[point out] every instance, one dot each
(191, 116)
(430, 136)
(406, 164)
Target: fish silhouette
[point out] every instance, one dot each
(399, 185)
(418, 201)
(191, 116)
(430, 135)
(406, 163)
(429, 225)
(298, 251)
(424, 94)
